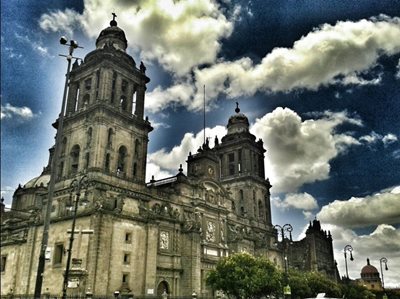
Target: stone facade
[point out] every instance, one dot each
(313, 253)
(145, 239)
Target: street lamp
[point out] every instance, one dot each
(76, 186)
(54, 162)
(285, 228)
(349, 249)
(383, 260)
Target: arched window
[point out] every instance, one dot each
(109, 137)
(124, 86)
(121, 158)
(89, 137)
(87, 160)
(107, 163)
(114, 80)
(241, 196)
(60, 170)
(63, 145)
(137, 145)
(86, 100)
(134, 172)
(75, 151)
(123, 103)
(260, 210)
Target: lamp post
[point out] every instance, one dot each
(76, 185)
(383, 260)
(54, 162)
(348, 248)
(285, 228)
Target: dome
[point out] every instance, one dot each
(369, 269)
(40, 181)
(238, 123)
(112, 35)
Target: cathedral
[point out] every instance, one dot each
(133, 237)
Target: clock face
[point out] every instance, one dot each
(210, 171)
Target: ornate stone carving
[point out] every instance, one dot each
(192, 222)
(164, 240)
(210, 233)
(165, 210)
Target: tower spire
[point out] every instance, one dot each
(113, 21)
(237, 110)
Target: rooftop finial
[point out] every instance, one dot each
(113, 22)
(237, 110)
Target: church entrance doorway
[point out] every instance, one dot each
(162, 286)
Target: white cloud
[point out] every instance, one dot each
(389, 139)
(186, 36)
(371, 138)
(382, 242)
(301, 201)
(168, 161)
(382, 207)
(35, 45)
(299, 152)
(178, 34)
(61, 21)
(12, 112)
(331, 54)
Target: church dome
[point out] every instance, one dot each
(369, 270)
(238, 122)
(112, 35)
(40, 181)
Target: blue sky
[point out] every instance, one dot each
(318, 80)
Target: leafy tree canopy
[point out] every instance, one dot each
(245, 276)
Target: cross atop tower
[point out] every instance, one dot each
(113, 22)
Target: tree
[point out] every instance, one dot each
(245, 276)
(309, 284)
(319, 283)
(355, 291)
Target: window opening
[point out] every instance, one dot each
(75, 159)
(121, 158)
(58, 254)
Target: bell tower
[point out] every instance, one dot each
(104, 128)
(242, 169)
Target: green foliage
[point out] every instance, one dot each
(245, 276)
(354, 291)
(309, 284)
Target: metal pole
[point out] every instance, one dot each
(349, 249)
(71, 241)
(383, 260)
(54, 163)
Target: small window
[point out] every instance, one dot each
(107, 163)
(123, 103)
(125, 278)
(231, 169)
(3, 263)
(75, 159)
(124, 86)
(134, 169)
(88, 84)
(128, 238)
(231, 157)
(127, 258)
(58, 254)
